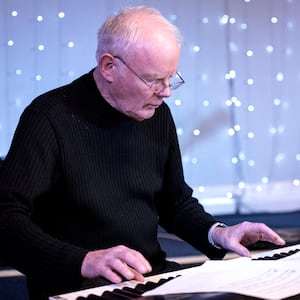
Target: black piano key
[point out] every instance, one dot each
(89, 297)
(282, 255)
(294, 251)
(265, 258)
(107, 295)
(151, 285)
(127, 292)
(278, 255)
(142, 288)
(116, 294)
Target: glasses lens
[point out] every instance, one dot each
(175, 85)
(174, 82)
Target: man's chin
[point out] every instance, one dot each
(144, 114)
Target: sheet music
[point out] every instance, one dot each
(272, 280)
(267, 279)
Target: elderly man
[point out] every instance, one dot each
(95, 167)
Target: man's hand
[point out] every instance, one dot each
(236, 238)
(115, 264)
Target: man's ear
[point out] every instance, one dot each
(106, 66)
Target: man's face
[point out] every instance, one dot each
(131, 92)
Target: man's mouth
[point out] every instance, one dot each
(154, 106)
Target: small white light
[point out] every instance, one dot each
(70, 44)
(250, 108)
(185, 159)
(249, 53)
(269, 48)
(279, 158)
(18, 72)
(279, 76)
(179, 131)
(273, 130)
(196, 132)
(298, 156)
(234, 160)
(251, 135)
(61, 14)
(14, 13)
(265, 180)
(250, 81)
(296, 182)
(244, 26)
(231, 132)
(229, 195)
(234, 99)
(228, 102)
(201, 188)
(224, 19)
(38, 77)
(237, 127)
(232, 20)
(259, 188)
(274, 20)
(242, 185)
(196, 48)
(205, 103)
(204, 20)
(232, 73)
(10, 43)
(251, 163)
(194, 160)
(41, 47)
(177, 102)
(242, 156)
(237, 103)
(39, 18)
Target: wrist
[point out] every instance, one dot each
(210, 234)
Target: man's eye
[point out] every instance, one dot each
(153, 82)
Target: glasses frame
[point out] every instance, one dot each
(171, 86)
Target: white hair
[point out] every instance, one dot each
(121, 31)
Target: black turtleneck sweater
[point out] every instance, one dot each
(81, 176)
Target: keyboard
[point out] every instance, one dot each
(133, 289)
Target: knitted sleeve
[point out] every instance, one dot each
(180, 213)
(27, 173)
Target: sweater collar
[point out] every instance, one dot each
(91, 105)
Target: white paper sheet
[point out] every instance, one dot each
(267, 279)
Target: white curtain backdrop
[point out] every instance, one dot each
(237, 116)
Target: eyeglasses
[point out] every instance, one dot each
(157, 86)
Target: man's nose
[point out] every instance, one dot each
(165, 91)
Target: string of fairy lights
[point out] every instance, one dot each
(236, 115)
